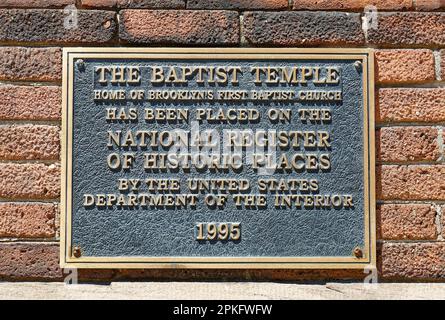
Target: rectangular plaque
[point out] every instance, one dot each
(218, 158)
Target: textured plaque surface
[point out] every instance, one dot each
(311, 207)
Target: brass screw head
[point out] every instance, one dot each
(80, 65)
(358, 253)
(77, 253)
(358, 65)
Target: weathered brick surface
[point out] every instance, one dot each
(29, 180)
(398, 144)
(30, 103)
(30, 142)
(27, 220)
(303, 28)
(38, 261)
(414, 182)
(410, 105)
(36, 64)
(351, 4)
(29, 261)
(146, 4)
(409, 29)
(238, 4)
(404, 66)
(429, 5)
(35, 3)
(48, 26)
(199, 27)
(406, 221)
(414, 261)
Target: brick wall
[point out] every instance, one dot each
(410, 114)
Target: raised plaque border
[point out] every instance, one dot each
(368, 259)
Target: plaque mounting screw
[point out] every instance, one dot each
(358, 253)
(77, 253)
(358, 65)
(80, 65)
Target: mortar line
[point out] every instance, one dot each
(32, 161)
(437, 125)
(440, 143)
(29, 241)
(438, 221)
(28, 200)
(430, 202)
(436, 54)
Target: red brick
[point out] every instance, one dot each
(146, 4)
(406, 221)
(398, 144)
(408, 29)
(238, 4)
(414, 182)
(410, 105)
(302, 28)
(30, 103)
(413, 261)
(351, 4)
(30, 142)
(35, 64)
(29, 181)
(429, 5)
(49, 26)
(27, 220)
(29, 261)
(200, 27)
(36, 3)
(404, 66)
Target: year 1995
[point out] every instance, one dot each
(218, 231)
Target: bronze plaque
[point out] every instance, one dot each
(218, 158)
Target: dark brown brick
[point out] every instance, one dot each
(29, 261)
(409, 29)
(238, 275)
(406, 221)
(413, 261)
(199, 27)
(33, 64)
(410, 105)
(414, 182)
(29, 181)
(238, 4)
(38, 261)
(143, 4)
(405, 66)
(303, 28)
(36, 3)
(398, 144)
(27, 220)
(48, 26)
(30, 103)
(351, 4)
(29, 142)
